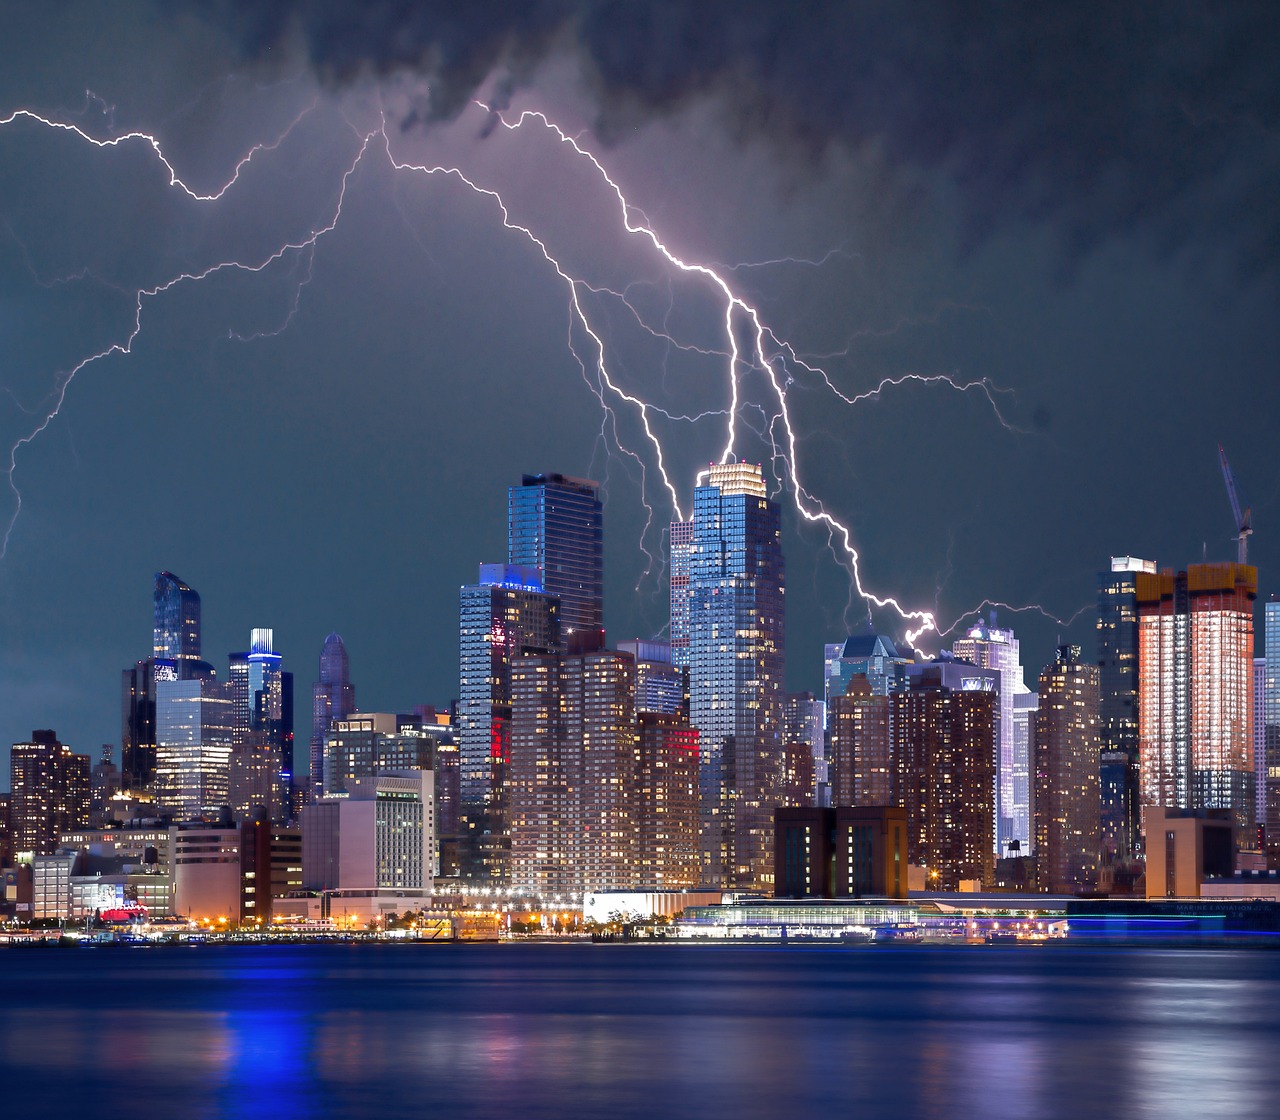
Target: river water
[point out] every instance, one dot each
(619, 1031)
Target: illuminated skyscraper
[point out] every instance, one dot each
(681, 563)
(944, 756)
(861, 755)
(804, 760)
(1118, 692)
(262, 741)
(195, 726)
(555, 524)
(991, 648)
(1195, 677)
(1271, 730)
(333, 697)
(736, 622)
(175, 656)
(505, 616)
(1066, 774)
(49, 793)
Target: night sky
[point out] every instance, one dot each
(1079, 210)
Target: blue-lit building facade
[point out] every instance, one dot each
(504, 616)
(555, 525)
(175, 656)
(262, 757)
(736, 620)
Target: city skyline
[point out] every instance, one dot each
(423, 368)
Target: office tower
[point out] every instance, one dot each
(1271, 731)
(1195, 670)
(505, 616)
(104, 782)
(555, 524)
(177, 621)
(233, 873)
(736, 623)
(681, 566)
(861, 750)
(379, 836)
(1066, 774)
(175, 655)
(352, 749)
(48, 793)
(992, 648)
(262, 736)
(944, 750)
(195, 721)
(1118, 704)
(333, 697)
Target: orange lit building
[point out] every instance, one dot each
(1195, 666)
(861, 759)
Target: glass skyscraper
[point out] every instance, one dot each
(262, 760)
(992, 648)
(502, 617)
(175, 656)
(736, 619)
(1118, 704)
(333, 697)
(1271, 716)
(555, 524)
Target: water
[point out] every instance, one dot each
(525, 1031)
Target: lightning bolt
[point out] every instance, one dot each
(750, 346)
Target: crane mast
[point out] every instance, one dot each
(1244, 520)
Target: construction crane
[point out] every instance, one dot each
(1244, 521)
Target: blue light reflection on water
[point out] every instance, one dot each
(640, 1031)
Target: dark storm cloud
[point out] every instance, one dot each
(1098, 118)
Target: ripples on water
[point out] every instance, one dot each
(520, 1031)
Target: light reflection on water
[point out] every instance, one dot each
(639, 1031)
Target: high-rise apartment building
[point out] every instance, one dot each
(333, 697)
(1195, 706)
(195, 727)
(804, 759)
(555, 524)
(1066, 755)
(506, 615)
(861, 751)
(262, 736)
(1118, 704)
(48, 793)
(1271, 731)
(944, 750)
(736, 617)
(991, 648)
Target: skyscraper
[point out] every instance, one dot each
(804, 759)
(555, 524)
(195, 722)
(504, 616)
(1271, 733)
(333, 697)
(49, 793)
(1066, 774)
(175, 655)
(681, 565)
(262, 738)
(992, 648)
(944, 756)
(861, 754)
(1195, 673)
(1118, 703)
(736, 622)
